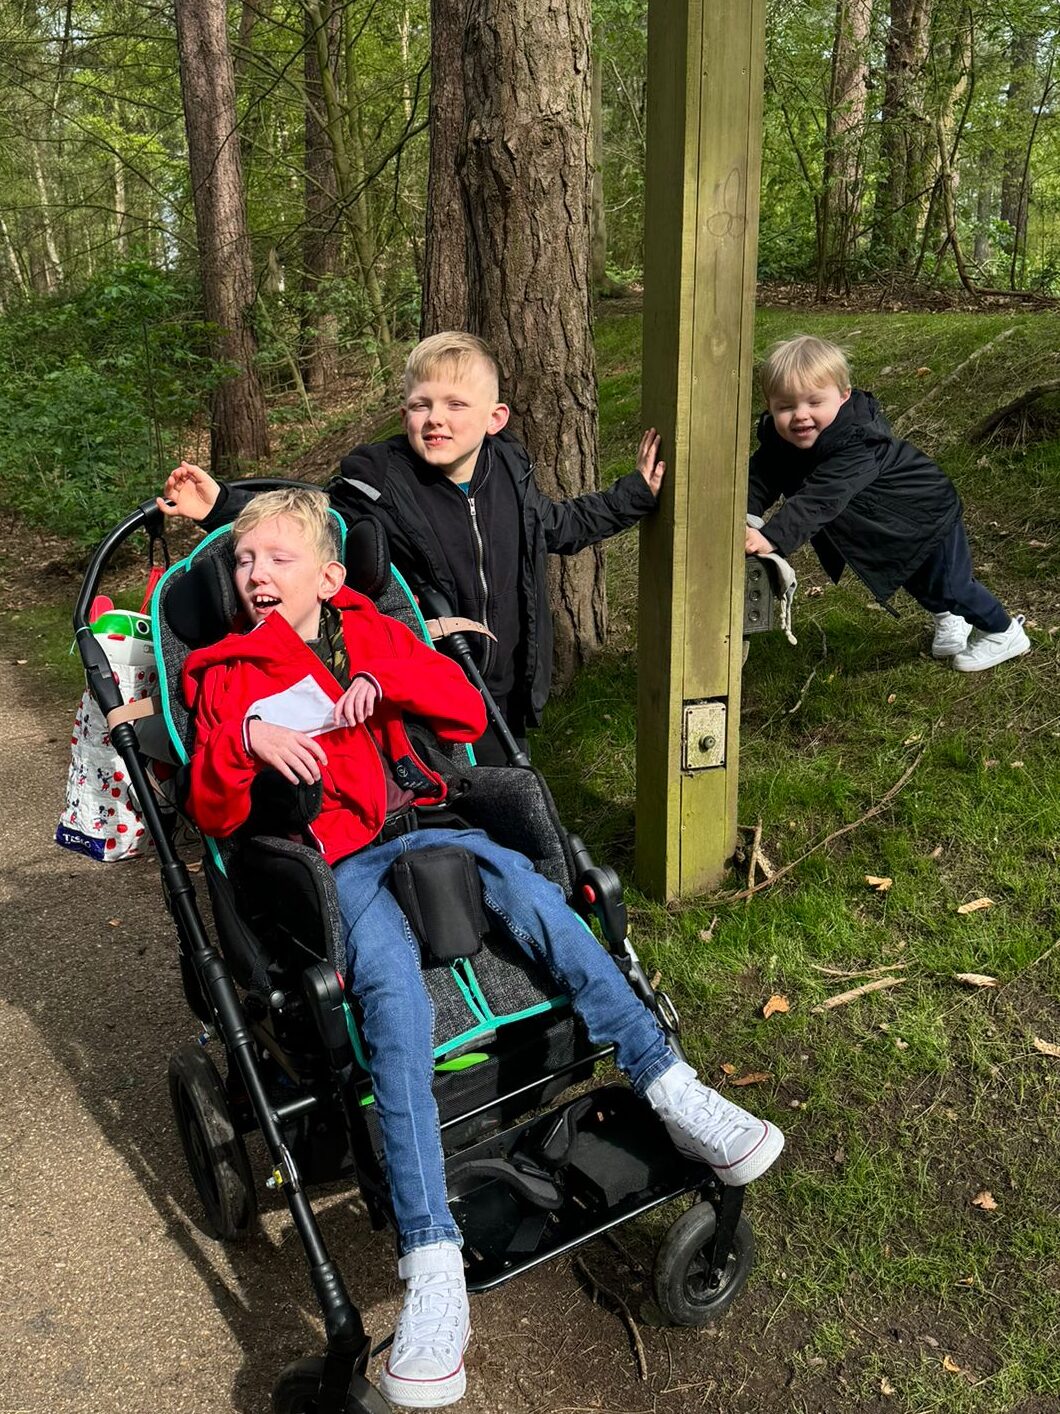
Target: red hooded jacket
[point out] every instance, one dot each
(222, 682)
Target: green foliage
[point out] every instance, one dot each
(96, 393)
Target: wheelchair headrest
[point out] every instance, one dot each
(202, 606)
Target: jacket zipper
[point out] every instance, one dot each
(480, 561)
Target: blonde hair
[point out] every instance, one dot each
(306, 507)
(803, 362)
(452, 351)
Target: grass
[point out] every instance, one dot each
(903, 1106)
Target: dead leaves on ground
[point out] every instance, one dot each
(754, 1077)
(975, 979)
(878, 882)
(985, 1199)
(776, 1004)
(1047, 1048)
(976, 905)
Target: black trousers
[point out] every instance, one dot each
(945, 583)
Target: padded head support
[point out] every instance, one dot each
(202, 605)
(367, 557)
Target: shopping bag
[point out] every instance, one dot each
(101, 817)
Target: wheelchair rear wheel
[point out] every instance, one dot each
(213, 1146)
(296, 1391)
(682, 1268)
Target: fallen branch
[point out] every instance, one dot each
(841, 998)
(905, 424)
(983, 429)
(863, 972)
(869, 814)
(598, 1289)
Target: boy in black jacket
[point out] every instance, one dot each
(865, 498)
(462, 512)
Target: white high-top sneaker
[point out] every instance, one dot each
(987, 649)
(951, 635)
(425, 1366)
(705, 1126)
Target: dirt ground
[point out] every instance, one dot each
(112, 1299)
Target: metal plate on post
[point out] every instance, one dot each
(758, 600)
(703, 735)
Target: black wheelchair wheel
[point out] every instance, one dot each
(296, 1391)
(682, 1269)
(213, 1146)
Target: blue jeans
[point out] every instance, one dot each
(945, 583)
(384, 974)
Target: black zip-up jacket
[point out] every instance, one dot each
(486, 550)
(860, 495)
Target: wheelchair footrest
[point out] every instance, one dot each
(561, 1179)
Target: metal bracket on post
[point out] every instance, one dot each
(759, 600)
(703, 735)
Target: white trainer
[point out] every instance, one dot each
(951, 635)
(425, 1366)
(705, 1126)
(985, 650)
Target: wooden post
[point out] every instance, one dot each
(705, 75)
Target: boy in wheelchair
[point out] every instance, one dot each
(318, 688)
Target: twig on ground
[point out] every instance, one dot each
(861, 972)
(756, 841)
(869, 814)
(841, 998)
(599, 1289)
(903, 424)
(813, 673)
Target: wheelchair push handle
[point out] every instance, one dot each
(437, 606)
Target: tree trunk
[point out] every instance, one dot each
(528, 179)
(321, 239)
(906, 141)
(841, 197)
(445, 298)
(120, 215)
(51, 266)
(12, 258)
(984, 207)
(1019, 105)
(598, 227)
(238, 431)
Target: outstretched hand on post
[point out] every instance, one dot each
(649, 468)
(755, 543)
(189, 491)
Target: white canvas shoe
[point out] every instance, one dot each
(985, 650)
(951, 635)
(425, 1366)
(705, 1126)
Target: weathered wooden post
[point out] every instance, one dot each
(705, 74)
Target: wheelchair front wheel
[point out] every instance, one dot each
(682, 1268)
(297, 1388)
(212, 1145)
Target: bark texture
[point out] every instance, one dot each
(842, 160)
(321, 237)
(906, 140)
(238, 432)
(528, 178)
(445, 269)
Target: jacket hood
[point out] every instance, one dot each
(260, 644)
(860, 416)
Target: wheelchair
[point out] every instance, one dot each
(540, 1157)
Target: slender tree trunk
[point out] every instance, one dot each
(321, 238)
(906, 140)
(12, 258)
(1019, 105)
(529, 193)
(121, 234)
(238, 426)
(984, 209)
(841, 198)
(445, 294)
(51, 266)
